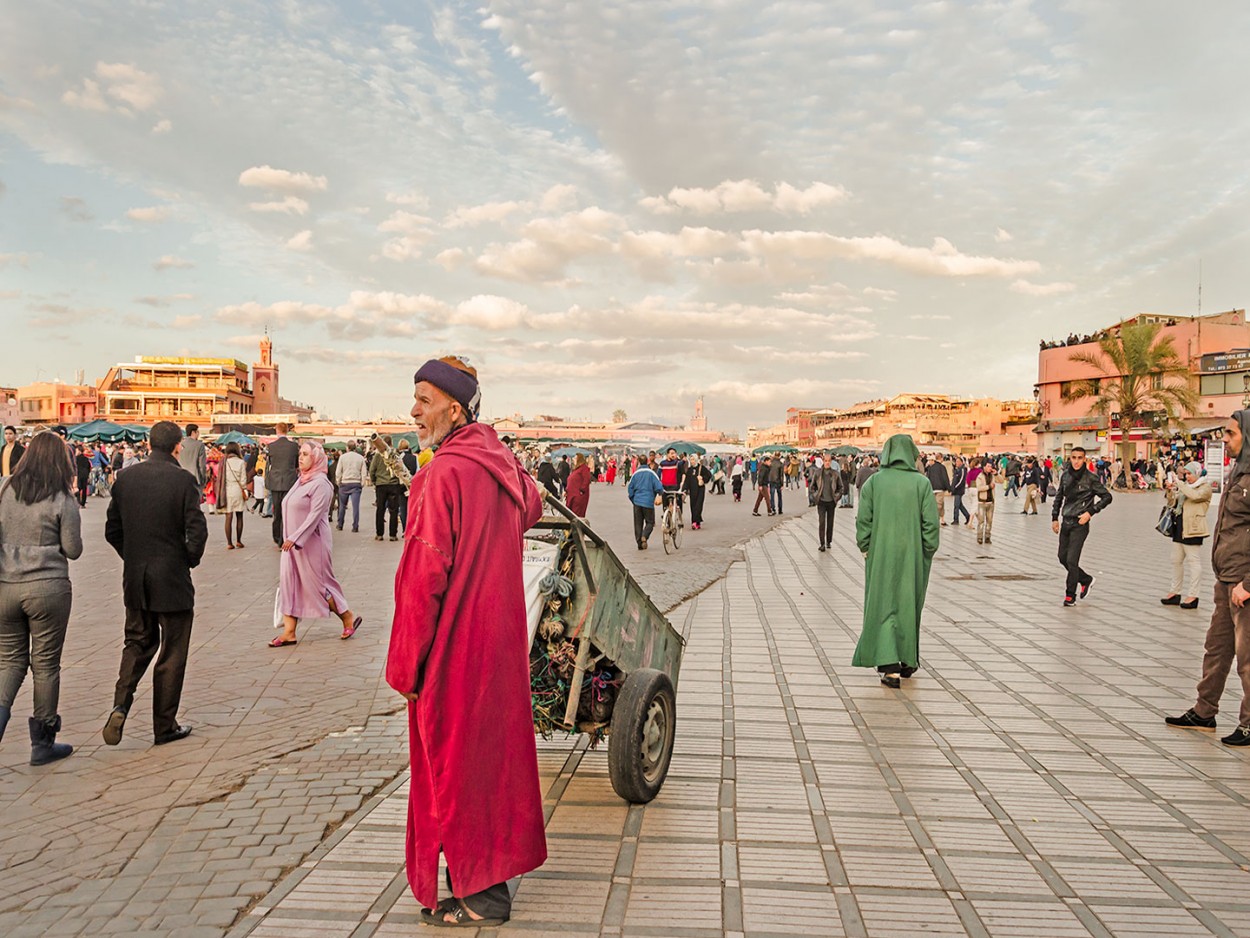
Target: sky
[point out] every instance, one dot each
(614, 204)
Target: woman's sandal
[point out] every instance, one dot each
(281, 642)
(460, 915)
(349, 632)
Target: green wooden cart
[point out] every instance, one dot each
(624, 653)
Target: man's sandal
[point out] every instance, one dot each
(460, 917)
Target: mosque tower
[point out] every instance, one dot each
(265, 380)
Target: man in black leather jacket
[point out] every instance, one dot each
(1080, 497)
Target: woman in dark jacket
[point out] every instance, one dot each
(697, 478)
(82, 468)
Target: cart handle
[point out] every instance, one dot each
(577, 522)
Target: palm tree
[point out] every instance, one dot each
(1143, 374)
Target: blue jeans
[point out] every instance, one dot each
(349, 492)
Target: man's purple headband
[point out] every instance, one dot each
(460, 385)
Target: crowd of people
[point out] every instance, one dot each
(459, 591)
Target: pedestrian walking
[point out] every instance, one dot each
(281, 471)
(736, 474)
(898, 530)
(40, 533)
(10, 453)
(411, 463)
(193, 456)
(940, 483)
(577, 493)
(776, 478)
(1031, 477)
(388, 490)
(827, 487)
(985, 502)
(1188, 498)
(350, 473)
(1080, 497)
(156, 526)
(645, 492)
(460, 597)
(763, 491)
(697, 478)
(1228, 635)
(959, 487)
(307, 587)
(230, 487)
(82, 474)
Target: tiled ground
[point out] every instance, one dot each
(1022, 784)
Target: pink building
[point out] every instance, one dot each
(1217, 349)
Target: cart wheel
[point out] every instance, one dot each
(640, 743)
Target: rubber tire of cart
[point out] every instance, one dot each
(635, 781)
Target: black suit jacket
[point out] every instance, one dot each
(155, 524)
(16, 456)
(282, 469)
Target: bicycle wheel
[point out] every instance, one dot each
(666, 530)
(677, 526)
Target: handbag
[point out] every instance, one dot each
(1166, 522)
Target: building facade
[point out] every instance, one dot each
(1216, 349)
(48, 403)
(939, 421)
(178, 389)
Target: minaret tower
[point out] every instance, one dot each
(265, 380)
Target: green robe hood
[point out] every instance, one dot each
(900, 452)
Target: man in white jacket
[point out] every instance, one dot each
(350, 475)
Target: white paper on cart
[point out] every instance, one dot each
(538, 559)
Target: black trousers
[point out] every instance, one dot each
(697, 495)
(278, 495)
(824, 521)
(1071, 541)
(387, 500)
(644, 523)
(146, 633)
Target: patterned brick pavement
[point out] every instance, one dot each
(288, 743)
(1023, 784)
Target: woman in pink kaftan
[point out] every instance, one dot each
(307, 588)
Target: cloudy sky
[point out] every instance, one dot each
(614, 204)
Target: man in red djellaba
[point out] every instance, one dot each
(458, 655)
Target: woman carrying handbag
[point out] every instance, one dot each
(1188, 500)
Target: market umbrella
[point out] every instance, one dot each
(98, 431)
(334, 445)
(846, 450)
(136, 432)
(569, 451)
(687, 449)
(775, 448)
(234, 436)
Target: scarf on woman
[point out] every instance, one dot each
(319, 462)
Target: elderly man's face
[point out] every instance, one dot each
(434, 413)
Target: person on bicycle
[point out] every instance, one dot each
(672, 476)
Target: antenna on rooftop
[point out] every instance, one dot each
(1200, 286)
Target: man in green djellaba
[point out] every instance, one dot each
(897, 530)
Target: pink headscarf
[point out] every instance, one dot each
(319, 461)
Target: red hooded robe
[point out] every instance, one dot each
(577, 492)
(459, 642)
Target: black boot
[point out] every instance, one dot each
(5, 713)
(43, 745)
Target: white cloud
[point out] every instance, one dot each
(291, 205)
(1041, 289)
(881, 294)
(301, 241)
(746, 195)
(162, 302)
(409, 199)
(21, 260)
(172, 261)
(548, 245)
(186, 322)
(470, 215)
(151, 214)
(786, 248)
(133, 89)
(413, 234)
(162, 127)
(282, 180)
(1002, 236)
(559, 198)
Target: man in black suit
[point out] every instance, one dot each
(281, 472)
(10, 453)
(156, 525)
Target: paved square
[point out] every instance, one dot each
(1022, 784)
